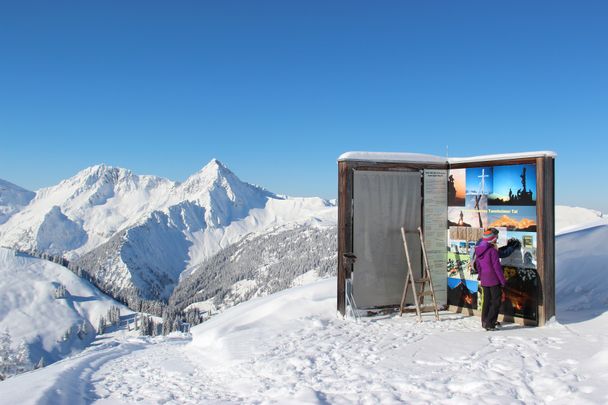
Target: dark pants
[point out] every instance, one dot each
(491, 305)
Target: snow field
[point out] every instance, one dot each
(292, 348)
(390, 359)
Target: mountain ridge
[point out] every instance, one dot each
(136, 234)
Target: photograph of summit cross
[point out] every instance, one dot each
(514, 185)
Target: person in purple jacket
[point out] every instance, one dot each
(491, 278)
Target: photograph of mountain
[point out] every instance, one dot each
(520, 219)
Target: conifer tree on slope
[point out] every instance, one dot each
(7, 357)
(41, 363)
(22, 358)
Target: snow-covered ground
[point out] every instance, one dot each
(291, 347)
(31, 310)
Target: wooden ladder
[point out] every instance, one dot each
(426, 278)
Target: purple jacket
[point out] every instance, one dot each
(488, 265)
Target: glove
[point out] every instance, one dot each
(514, 243)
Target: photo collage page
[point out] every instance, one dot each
(501, 197)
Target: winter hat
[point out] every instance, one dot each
(490, 235)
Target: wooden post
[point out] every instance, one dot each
(545, 238)
(540, 238)
(545, 186)
(345, 236)
(550, 232)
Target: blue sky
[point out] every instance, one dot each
(278, 90)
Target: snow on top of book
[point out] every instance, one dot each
(502, 156)
(391, 157)
(399, 157)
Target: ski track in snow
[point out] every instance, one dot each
(160, 374)
(74, 384)
(376, 362)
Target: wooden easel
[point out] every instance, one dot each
(426, 278)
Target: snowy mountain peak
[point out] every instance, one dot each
(214, 173)
(99, 201)
(101, 167)
(215, 164)
(223, 195)
(102, 181)
(215, 185)
(100, 172)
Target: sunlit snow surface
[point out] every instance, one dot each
(291, 347)
(30, 311)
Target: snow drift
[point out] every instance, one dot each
(581, 280)
(239, 329)
(568, 219)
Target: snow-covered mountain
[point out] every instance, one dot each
(224, 197)
(12, 199)
(137, 234)
(84, 211)
(259, 265)
(52, 309)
